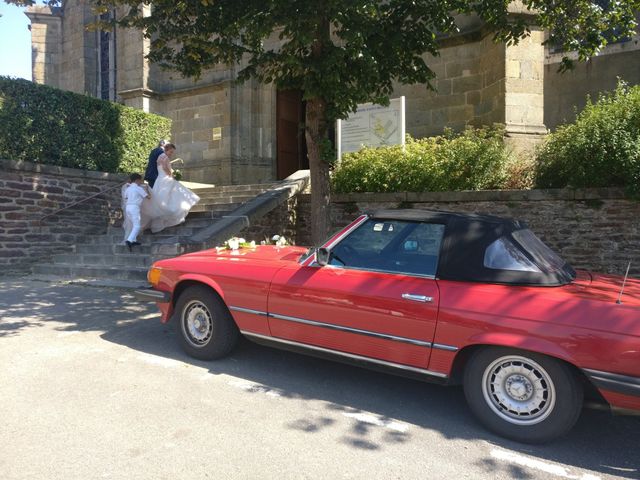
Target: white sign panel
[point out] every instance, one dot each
(372, 126)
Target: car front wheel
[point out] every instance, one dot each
(205, 327)
(521, 395)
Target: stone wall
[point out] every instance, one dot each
(469, 87)
(280, 221)
(566, 92)
(595, 229)
(30, 191)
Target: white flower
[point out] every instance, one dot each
(233, 243)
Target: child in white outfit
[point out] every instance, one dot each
(134, 195)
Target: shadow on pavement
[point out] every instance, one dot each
(599, 442)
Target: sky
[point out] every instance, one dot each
(15, 42)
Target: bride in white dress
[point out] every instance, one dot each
(170, 201)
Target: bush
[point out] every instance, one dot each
(601, 149)
(46, 125)
(473, 160)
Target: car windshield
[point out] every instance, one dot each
(507, 254)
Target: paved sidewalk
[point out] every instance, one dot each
(93, 386)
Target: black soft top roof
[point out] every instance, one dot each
(465, 241)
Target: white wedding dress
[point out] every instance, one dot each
(169, 204)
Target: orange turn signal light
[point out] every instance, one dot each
(153, 275)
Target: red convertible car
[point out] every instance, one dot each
(453, 298)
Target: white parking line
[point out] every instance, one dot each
(535, 464)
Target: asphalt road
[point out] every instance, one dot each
(92, 386)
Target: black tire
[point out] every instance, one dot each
(521, 395)
(205, 327)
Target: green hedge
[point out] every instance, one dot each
(601, 149)
(46, 125)
(476, 159)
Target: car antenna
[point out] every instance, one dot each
(623, 283)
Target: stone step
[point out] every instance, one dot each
(111, 249)
(83, 271)
(145, 238)
(96, 259)
(188, 227)
(219, 209)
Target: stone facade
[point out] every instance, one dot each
(566, 92)
(226, 133)
(28, 192)
(594, 229)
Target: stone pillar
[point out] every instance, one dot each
(132, 86)
(46, 43)
(524, 89)
(252, 131)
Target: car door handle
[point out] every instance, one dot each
(417, 298)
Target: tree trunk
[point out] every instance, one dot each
(316, 134)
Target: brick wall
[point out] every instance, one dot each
(595, 229)
(30, 191)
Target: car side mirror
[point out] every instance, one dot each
(322, 256)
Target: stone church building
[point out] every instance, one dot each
(230, 133)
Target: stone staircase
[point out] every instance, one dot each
(105, 260)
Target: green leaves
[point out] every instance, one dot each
(601, 149)
(43, 124)
(473, 160)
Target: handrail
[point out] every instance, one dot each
(79, 202)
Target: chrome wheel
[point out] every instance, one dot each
(518, 390)
(197, 323)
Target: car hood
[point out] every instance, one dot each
(260, 253)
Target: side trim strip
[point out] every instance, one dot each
(346, 355)
(331, 326)
(248, 310)
(448, 348)
(614, 382)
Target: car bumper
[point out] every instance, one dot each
(152, 295)
(621, 391)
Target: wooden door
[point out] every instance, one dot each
(292, 152)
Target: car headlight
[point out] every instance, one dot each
(153, 275)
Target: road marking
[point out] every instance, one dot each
(546, 467)
(372, 419)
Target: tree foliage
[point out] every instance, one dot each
(343, 52)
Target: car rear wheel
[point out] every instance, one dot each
(521, 395)
(206, 329)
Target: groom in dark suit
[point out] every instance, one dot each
(151, 172)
